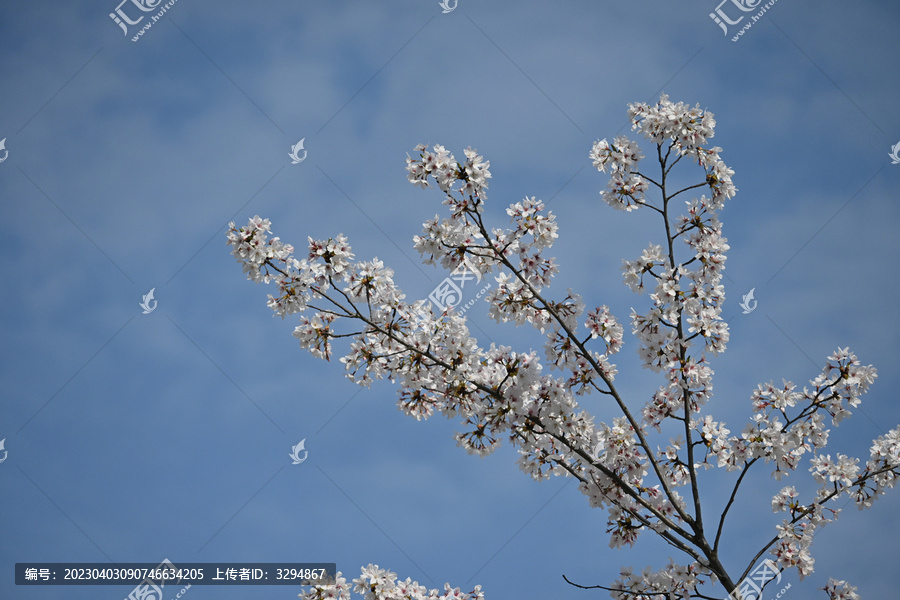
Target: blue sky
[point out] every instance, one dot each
(132, 437)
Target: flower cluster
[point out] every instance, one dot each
(687, 302)
(443, 168)
(625, 190)
(674, 581)
(498, 392)
(840, 590)
(881, 471)
(375, 583)
(254, 250)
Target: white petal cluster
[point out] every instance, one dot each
(674, 581)
(840, 590)
(375, 583)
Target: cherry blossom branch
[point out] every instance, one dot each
(664, 595)
(497, 392)
(626, 488)
(692, 470)
(807, 511)
(587, 356)
(731, 499)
